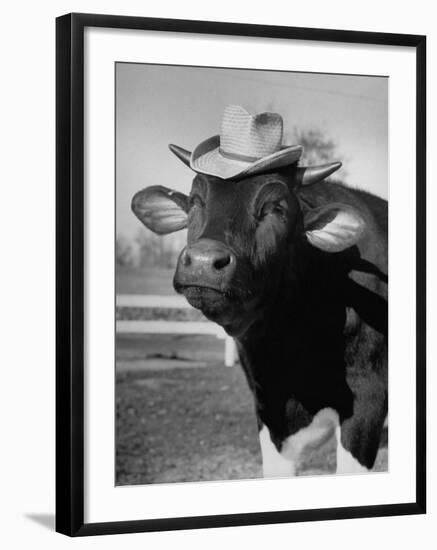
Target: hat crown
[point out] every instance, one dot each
(250, 136)
(247, 144)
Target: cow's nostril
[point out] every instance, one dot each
(186, 258)
(222, 262)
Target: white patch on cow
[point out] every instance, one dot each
(295, 447)
(274, 465)
(346, 463)
(311, 437)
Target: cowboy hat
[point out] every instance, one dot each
(247, 144)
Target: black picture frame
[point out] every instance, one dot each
(70, 273)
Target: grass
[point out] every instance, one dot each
(181, 415)
(144, 280)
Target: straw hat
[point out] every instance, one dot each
(247, 144)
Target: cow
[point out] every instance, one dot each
(294, 267)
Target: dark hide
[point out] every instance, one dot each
(307, 307)
(326, 344)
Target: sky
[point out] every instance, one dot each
(161, 104)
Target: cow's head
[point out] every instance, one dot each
(243, 235)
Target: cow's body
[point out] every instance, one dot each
(298, 275)
(321, 343)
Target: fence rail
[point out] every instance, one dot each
(152, 300)
(147, 301)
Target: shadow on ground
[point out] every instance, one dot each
(46, 520)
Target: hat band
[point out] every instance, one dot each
(236, 156)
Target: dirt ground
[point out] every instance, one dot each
(181, 415)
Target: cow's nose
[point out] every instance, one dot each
(206, 256)
(206, 262)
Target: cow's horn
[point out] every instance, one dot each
(306, 175)
(182, 154)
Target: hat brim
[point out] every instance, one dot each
(207, 159)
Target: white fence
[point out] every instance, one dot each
(171, 327)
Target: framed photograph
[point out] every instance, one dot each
(240, 274)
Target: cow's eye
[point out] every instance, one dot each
(274, 208)
(196, 200)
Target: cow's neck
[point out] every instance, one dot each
(284, 301)
(277, 324)
(277, 351)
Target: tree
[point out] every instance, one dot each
(317, 147)
(124, 255)
(157, 250)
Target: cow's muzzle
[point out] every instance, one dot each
(205, 264)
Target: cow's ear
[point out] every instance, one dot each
(334, 228)
(160, 209)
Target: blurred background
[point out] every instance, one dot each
(184, 411)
